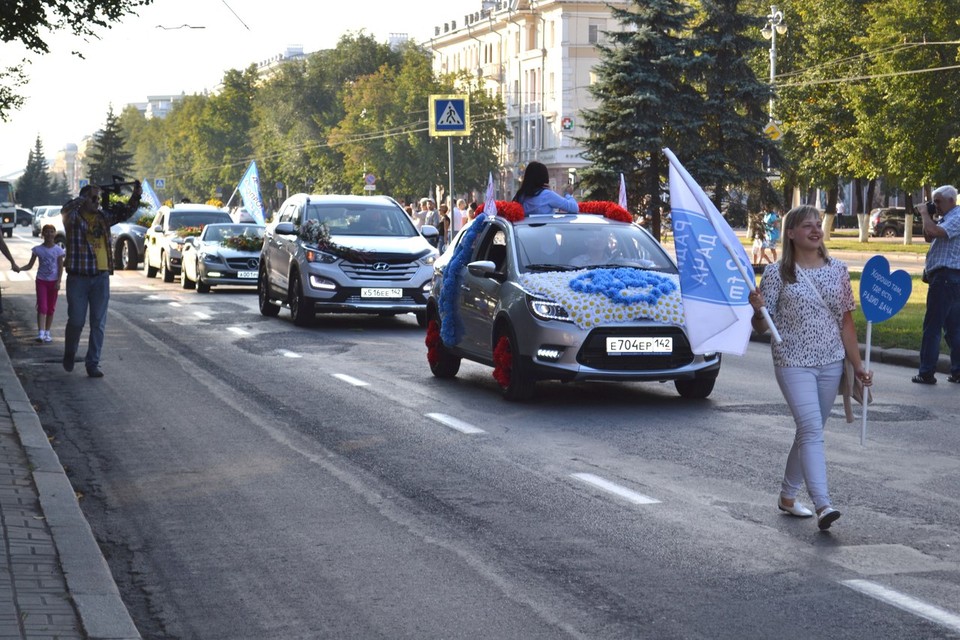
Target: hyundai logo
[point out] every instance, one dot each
(253, 263)
(380, 266)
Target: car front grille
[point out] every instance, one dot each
(244, 264)
(383, 270)
(593, 353)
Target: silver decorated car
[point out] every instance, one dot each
(567, 297)
(345, 254)
(223, 254)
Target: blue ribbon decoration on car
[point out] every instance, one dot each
(624, 286)
(451, 324)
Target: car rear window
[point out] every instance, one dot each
(196, 218)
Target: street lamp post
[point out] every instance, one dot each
(775, 24)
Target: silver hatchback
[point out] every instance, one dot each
(562, 297)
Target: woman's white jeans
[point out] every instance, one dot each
(810, 392)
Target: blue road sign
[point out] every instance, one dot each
(449, 115)
(159, 183)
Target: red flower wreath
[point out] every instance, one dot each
(433, 343)
(607, 209)
(512, 211)
(502, 362)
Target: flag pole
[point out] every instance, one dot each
(706, 205)
(866, 390)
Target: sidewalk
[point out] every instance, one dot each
(54, 580)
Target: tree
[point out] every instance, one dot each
(645, 102)
(23, 21)
(109, 157)
(33, 187)
(729, 150)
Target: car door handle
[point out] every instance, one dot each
(465, 287)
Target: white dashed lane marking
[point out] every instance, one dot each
(349, 379)
(907, 603)
(202, 315)
(610, 487)
(455, 424)
(238, 331)
(289, 354)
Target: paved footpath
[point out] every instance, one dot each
(54, 580)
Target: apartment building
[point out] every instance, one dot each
(538, 55)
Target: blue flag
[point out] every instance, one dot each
(149, 196)
(250, 193)
(712, 285)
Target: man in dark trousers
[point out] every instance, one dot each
(89, 264)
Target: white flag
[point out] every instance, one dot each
(712, 286)
(622, 201)
(250, 192)
(490, 202)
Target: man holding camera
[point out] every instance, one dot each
(89, 264)
(942, 273)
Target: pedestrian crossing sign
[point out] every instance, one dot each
(449, 115)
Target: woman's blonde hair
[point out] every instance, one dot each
(793, 219)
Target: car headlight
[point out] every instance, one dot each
(430, 259)
(210, 257)
(315, 255)
(547, 309)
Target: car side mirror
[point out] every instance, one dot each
(485, 269)
(285, 229)
(158, 228)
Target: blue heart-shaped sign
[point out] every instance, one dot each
(883, 294)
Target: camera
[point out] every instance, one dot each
(118, 187)
(931, 209)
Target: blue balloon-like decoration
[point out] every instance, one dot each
(451, 324)
(625, 286)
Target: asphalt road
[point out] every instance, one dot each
(250, 479)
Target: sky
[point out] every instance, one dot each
(147, 54)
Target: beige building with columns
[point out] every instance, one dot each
(538, 55)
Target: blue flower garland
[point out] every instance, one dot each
(451, 324)
(615, 284)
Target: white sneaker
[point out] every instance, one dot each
(39, 337)
(46, 337)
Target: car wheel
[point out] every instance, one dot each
(127, 254)
(301, 310)
(36, 234)
(267, 308)
(421, 319)
(890, 232)
(442, 363)
(165, 271)
(696, 389)
(148, 271)
(509, 369)
(185, 282)
(9, 233)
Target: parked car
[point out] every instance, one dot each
(127, 239)
(24, 217)
(41, 216)
(164, 240)
(888, 222)
(344, 254)
(515, 306)
(223, 254)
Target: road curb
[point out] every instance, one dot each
(89, 581)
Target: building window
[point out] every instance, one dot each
(595, 31)
(531, 37)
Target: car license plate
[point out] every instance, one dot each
(381, 293)
(627, 346)
(246, 274)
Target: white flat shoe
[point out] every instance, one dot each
(796, 510)
(827, 517)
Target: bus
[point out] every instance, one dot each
(8, 207)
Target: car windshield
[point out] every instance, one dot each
(361, 219)
(546, 247)
(219, 233)
(180, 219)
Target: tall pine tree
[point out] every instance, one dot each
(108, 156)
(33, 188)
(644, 101)
(730, 148)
